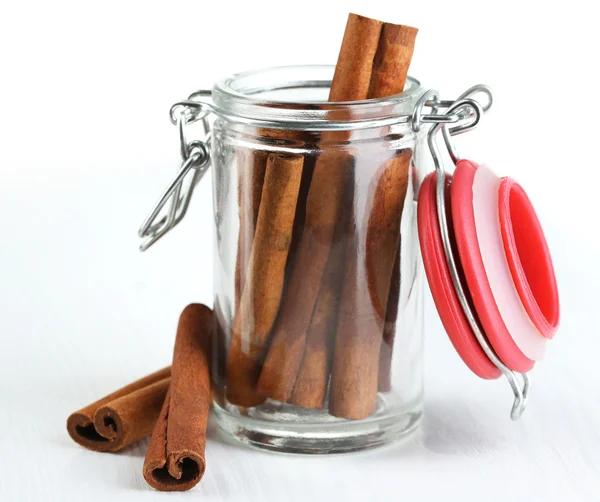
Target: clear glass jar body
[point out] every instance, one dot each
(318, 283)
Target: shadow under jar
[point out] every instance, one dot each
(318, 283)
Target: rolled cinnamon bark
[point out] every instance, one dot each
(389, 330)
(122, 417)
(263, 287)
(310, 387)
(392, 60)
(252, 165)
(383, 229)
(324, 205)
(251, 176)
(365, 294)
(175, 457)
(354, 379)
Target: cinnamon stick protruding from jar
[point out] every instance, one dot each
(122, 417)
(354, 380)
(392, 60)
(324, 205)
(175, 457)
(264, 284)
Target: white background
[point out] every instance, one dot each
(86, 146)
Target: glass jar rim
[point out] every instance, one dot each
(238, 98)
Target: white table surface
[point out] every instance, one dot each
(83, 312)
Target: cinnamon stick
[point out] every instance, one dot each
(175, 457)
(252, 164)
(310, 387)
(122, 417)
(389, 330)
(324, 205)
(392, 60)
(354, 379)
(365, 294)
(251, 175)
(263, 287)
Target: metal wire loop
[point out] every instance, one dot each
(431, 97)
(194, 156)
(192, 110)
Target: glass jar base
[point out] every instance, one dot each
(286, 428)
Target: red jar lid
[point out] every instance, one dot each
(504, 266)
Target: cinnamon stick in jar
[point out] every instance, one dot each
(324, 206)
(355, 372)
(264, 284)
(175, 457)
(310, 387)
(251, 167)
(389, 330)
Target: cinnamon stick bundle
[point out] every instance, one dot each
(122, 417)
(264, 284)
(175, 457)
(324, 205)
(373, 63)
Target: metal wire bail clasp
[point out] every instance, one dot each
(195, 156)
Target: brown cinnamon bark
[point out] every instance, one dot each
(392, 60)
(383, 229)
(354, 379)
(122, 417)
(389, 330)
(175, 457)
(310, 387)
(251, 175)
(252, 164)
(263, 287)
(324, 205)
(355, 372)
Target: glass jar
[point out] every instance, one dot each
(318, 277)
(318, 283)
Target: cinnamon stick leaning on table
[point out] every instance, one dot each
(122, 417)
(354, 378)
(263, 287)
(175, 457)
(324, 206)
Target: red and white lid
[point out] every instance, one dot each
(489, 270)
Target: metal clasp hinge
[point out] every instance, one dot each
(195, 157)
